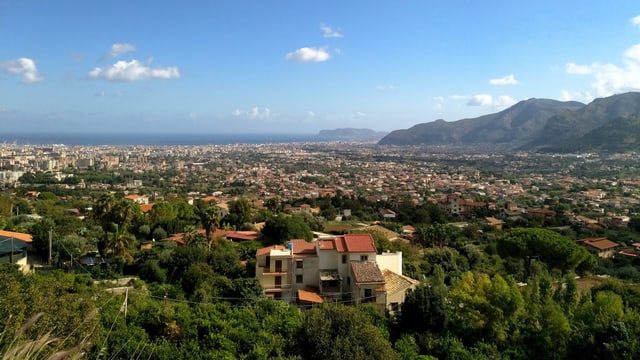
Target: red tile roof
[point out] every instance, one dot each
(302, 247)
(267, 250)
(359, 243)
(349, 243)
(599, 243)
(242, 235)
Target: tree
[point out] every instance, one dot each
(210, 218)
(484, 308)
(555, 250)
(240, 212)
(341, 332)
(119, 242)
(279, 229)
(194, 238)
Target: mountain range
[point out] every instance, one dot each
(605, 124)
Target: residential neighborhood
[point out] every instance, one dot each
(409, 242)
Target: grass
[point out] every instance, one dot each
(43, 346)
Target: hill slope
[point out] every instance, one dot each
(571, 125)
(514, 126)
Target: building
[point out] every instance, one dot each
(397, 286)
(341, 269)
(602, 247)
(13, 248)
(454, 205)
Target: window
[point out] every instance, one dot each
(364, 257)
(368, 295)
(299, 264)
(298, 279)
(344, 259)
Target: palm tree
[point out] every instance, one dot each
(119, 242)
(210, 218)
(102, 211)
(194, 238)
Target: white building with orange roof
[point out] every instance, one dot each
(339, 268)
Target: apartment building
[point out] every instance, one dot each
(340, 269)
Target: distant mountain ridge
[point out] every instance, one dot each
(534, 124)
(352, 134)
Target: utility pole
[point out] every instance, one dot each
(50, 236)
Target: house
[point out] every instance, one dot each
(397, 286)
(138, 199)
(13, 249)
(337, 268)
(602, 247)
(455, 205)
(273, 270)
(388, 214)
(496, 224)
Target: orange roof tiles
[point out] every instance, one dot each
(309, 296)
(267, 250)
(302, 247)
(349, 243)
(359, 243)
(599, 243)
(16, 235)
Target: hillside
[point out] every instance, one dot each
(514, 126)
(619, 135)
(537, 124)
(571, 125)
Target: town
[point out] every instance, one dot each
(309, 224)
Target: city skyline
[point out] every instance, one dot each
(295, 67)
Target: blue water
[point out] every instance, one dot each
(153, 139)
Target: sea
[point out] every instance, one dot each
(158, 139)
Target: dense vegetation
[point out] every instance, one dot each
(484, 294)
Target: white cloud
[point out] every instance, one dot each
(581, 96)
(308, 54)
(481, 100)
(489, 100)
(119, 49)
(311, 113)
(572, 68)
(254, 113)
(507, 80)
(22, 66)
(360, 114)
(636, 21)
(329, 32)
(504, 101)
(133, 71)
(610, 79)
(439, 100)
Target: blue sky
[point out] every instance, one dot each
(301, 66)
